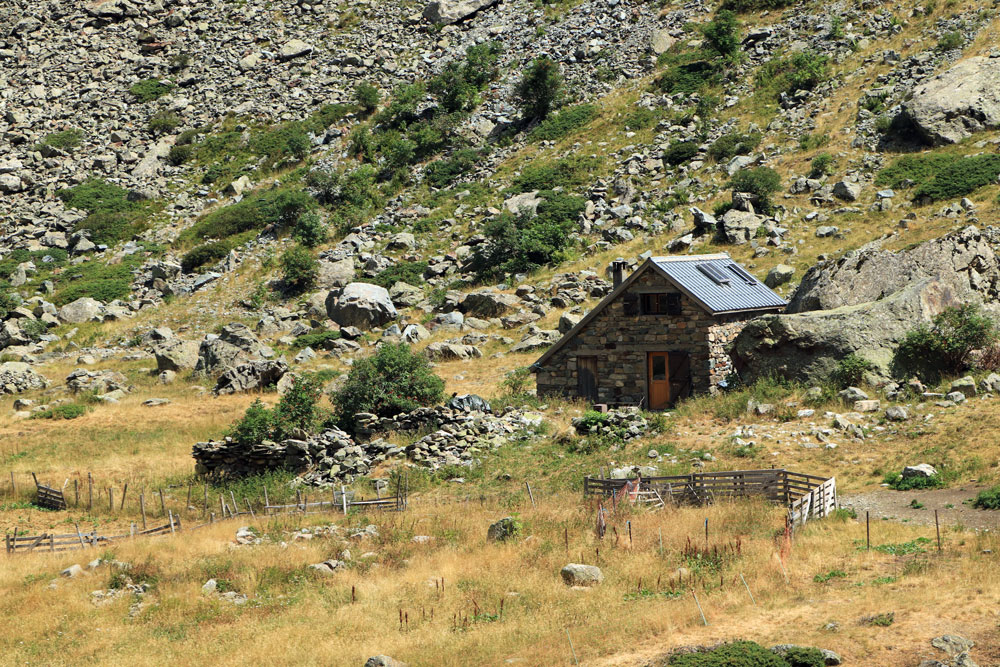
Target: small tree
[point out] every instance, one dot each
(762, 182)
(299, 408)
(946, 346)
(391, 381)
(540, 89)
(309, 230)
(254, 427)
(722, 34)
(367, 97)
(299, 269)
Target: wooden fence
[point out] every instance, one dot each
(79, 540)
(48, 497)
(806, 496)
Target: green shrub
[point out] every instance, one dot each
(150, 89)
(850, 371)
(298, 408)
(393, 380)
(309, 230)
(639, 118)
(730, 145)
(746, 6)
(803, 656)
(950, 41)
(65, 411)
(540, 90)
(803, 71)
(163, 122)
(441, 173)
(325, 116)
(64, 141)
(688, 77)
(317, 339)
(402, 108)
(735, 654)
(524, 243)
(988, 499)
(280, 207)
(566, 173)
(960, 177)
(408, 272)
(946, 346)
(179, 154)
(679, 152)
(821, 165)
(836, 28)
(367, 97)
(896, 481)
(96, 280)
(827, 576)
(811, 141)
(762, 182)
(299, 269)
(457, 87)
(97, 196)
(110, 228)
(562, 123)
(206, 253)
(722, 34)
(254, 427)
(288, 142)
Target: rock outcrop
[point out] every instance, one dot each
(958, 102)
(16, 376)
(361, 305)
(444, 12)
(251, 375)
(964, 257)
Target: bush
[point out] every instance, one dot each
(402, 109)
(254, 427)
(64, 141)
(110, 228)
(988, 499)
(559, 125)
(762, 182)
(524, 243)
(950, 41)
(393, 380)
(163, 122)
(746, 6)
(179, 154)
(299, 269)
(96, 280)
(639, 118)
(850, 371)
(457, 87)
(896, 481)
(150, 89)
(441, 173)
(736, 654)
(408, 272)
(65, 411)
(959, 177)
(367, 97)
(207, 253)
(540, 89)
(722, 34)
(298, 408)
(946, 346)
(280, 207)
(288, 142)
(566, 173)
(803, 656)
(680, 152)
(803, 71)
(821, 165)
(730, 145)
(309, 230)
(688, 77)
(97, 196)
(318, 339)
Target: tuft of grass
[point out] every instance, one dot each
(65, 411)
(150, 90)
(564, 122)
(65, 140)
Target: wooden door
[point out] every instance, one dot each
(586, 385)
(659, 380)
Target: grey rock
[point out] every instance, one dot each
(739, 227)
(525, 203)
(452, 351)
(952, 644)
(335, 274)
(443, 12)
(575, 574)
(383, 661)
(847, 191)
(897, 413)
(82, 310)
(73, 571)
(488, 304)
(505, 529)
(779, 275)
(176, 355)
(924, 470)
(953, 105)
(966, 386)
(251, 375)
(405, 294)
(362, 305)
(660, 41)
(295, 48)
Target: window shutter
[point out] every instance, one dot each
(630, 303)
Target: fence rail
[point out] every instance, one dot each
(807, 496)
(79, 540)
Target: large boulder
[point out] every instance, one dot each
(738, 227)
(869, 274)
(82, 310)
(361, 305)
(251, 375)
(957, 102)
(443, 12)
(16, 376)
(234, 345)
(335, 274)
(98, 382)
(452, 351)
(576, 574)
(176, 355)
(807, 346)
(486, 303)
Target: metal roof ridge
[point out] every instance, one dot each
(690, 258)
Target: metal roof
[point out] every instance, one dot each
(737, 291)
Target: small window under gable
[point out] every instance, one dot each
(661, 304)
(714, 273)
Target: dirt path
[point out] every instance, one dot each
(954, 506)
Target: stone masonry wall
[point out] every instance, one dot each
(620, 344)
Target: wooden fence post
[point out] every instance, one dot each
(163, 505)
(142, 508)
(90, 491)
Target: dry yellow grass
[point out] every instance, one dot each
(296, 617)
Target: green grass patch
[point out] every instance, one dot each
(65, 411)
(64, 141)
(280, 206)
(149, 90)
(939, 177)
(988, 499)
(896, 481)
(104, 282)
(317, 339)
(567, 120)
(570, 172)
(408, 272)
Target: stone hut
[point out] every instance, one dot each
(660, 335)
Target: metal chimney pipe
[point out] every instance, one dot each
(617, 268)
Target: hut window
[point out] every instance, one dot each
(661, 304)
